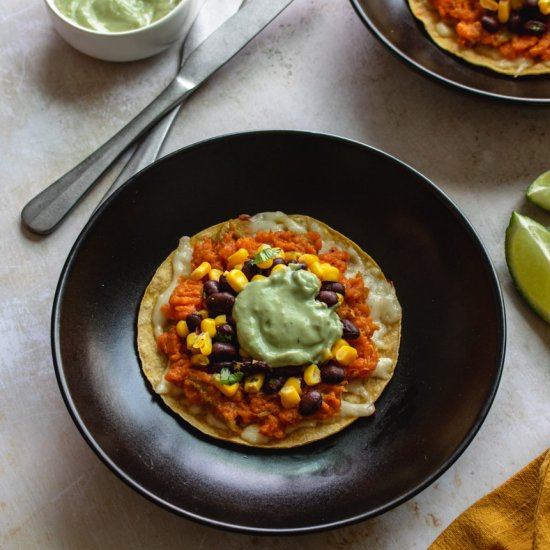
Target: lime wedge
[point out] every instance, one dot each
(539, 191)
(528, 258)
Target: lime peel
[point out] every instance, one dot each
(527, 251)
(539, 191)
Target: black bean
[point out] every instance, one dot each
(332, 373)
(310, 403)
(225, 286)
(334, 286)
(231, 321)
(349, 330)
(250, 269)
(531, 10)
(223, 350)
(328, 297)
(273, 384)
(534, 28)
(288, 371)
(220, 302)
(514, 23)
(490, 23)
(252, 365)
(301, 265)
(193, 321)
(217, 366)
(226, 331)
(211, 287)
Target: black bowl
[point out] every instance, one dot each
(394, 25)
(451, 353)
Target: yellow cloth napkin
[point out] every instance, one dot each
(515, 516)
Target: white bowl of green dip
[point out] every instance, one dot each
(122, 30)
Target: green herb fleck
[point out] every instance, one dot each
(220, 337)
(265, 254)
(227, 377)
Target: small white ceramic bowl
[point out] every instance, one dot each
(129, 45)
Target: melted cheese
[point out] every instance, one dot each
(181, 265)
(252, 435)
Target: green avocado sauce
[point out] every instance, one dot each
(115, 15)
(279, 321)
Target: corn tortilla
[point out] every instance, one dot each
(154, 363)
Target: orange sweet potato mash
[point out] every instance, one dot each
(507, 36)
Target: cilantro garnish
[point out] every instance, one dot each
(228, 377)
(265, 254)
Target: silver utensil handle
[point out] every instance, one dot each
(146, 152)
(45, 211)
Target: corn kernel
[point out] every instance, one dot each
(544, 7)
(489, 4)
(329, 273)
(278, 267)
(203, 313)
(295, 383)
(214, 274)
(190, 340)
(199, 360)
(327, 355)
(258, 277)
(346, 355)
(209, 325)
(236, 279)
(292, 255)
(340, 298)
(289, 397)
(238, 257)
(227, 389)
(516, 4)
(312, 375)
(201, 271)
(337, 345)
(182, 330)
(254, 383)
(266, 264)
(503, 13)
(202, 343)
(276, 253)
(308, 259)
(220, 320)
(325, 271)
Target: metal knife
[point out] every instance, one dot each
(43, 213)
(211, 15)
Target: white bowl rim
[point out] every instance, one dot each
(52, 5)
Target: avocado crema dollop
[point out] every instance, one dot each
(115, 15)
(279, 321)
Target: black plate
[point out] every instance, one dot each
(452, 345)
(393, 23)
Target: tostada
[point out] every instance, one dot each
(270, 330)
(508, 36)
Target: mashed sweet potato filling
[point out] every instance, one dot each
(465, 17)
(264, 409)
